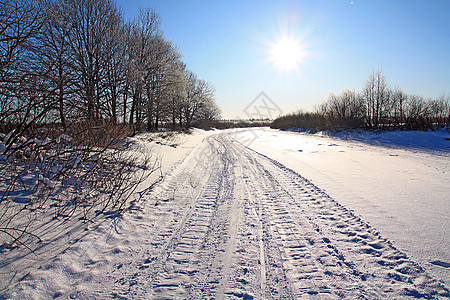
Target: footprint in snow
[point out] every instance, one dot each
(441, 263)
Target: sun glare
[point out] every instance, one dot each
(286, 54)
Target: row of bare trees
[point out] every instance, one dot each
(68, 61)
(377, 106)
(74, 76)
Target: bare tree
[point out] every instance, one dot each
(198, 92)
(375, 107)
(440, 110)
(143, 30)
(416, 112)
(21, 22)
(375, 96)
(68, 68)
(25, 97)
(176, 92)
(115, 60)
(345, 109)
(57, 57)
(159, 80)
(209, 113)
(398, 102)
(92, 22)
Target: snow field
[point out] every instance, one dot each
(400, 186)
(228, 222)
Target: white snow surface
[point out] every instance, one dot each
(285, 218)
(397, 181)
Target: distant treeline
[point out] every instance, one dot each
(376, 107)
(227, 124)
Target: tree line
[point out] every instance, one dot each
(376, 107)
(68, 62)
(75, 78)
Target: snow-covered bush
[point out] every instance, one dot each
(82, 175)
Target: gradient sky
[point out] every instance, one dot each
(229, 44)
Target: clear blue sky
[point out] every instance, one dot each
(229, 44)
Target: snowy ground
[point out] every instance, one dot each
(228, 222)
(397, 181)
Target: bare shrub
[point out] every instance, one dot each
(84, 174)
(376, 107)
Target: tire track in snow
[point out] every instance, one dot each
(302, 243)
(263, 251)
(304, 252)
(180, 258)
(233, 224)
(347, 254)
(168, 236)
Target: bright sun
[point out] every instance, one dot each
(286, 54)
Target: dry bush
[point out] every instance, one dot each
(83, 174)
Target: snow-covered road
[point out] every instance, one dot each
(396, 181)
(228, 222)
